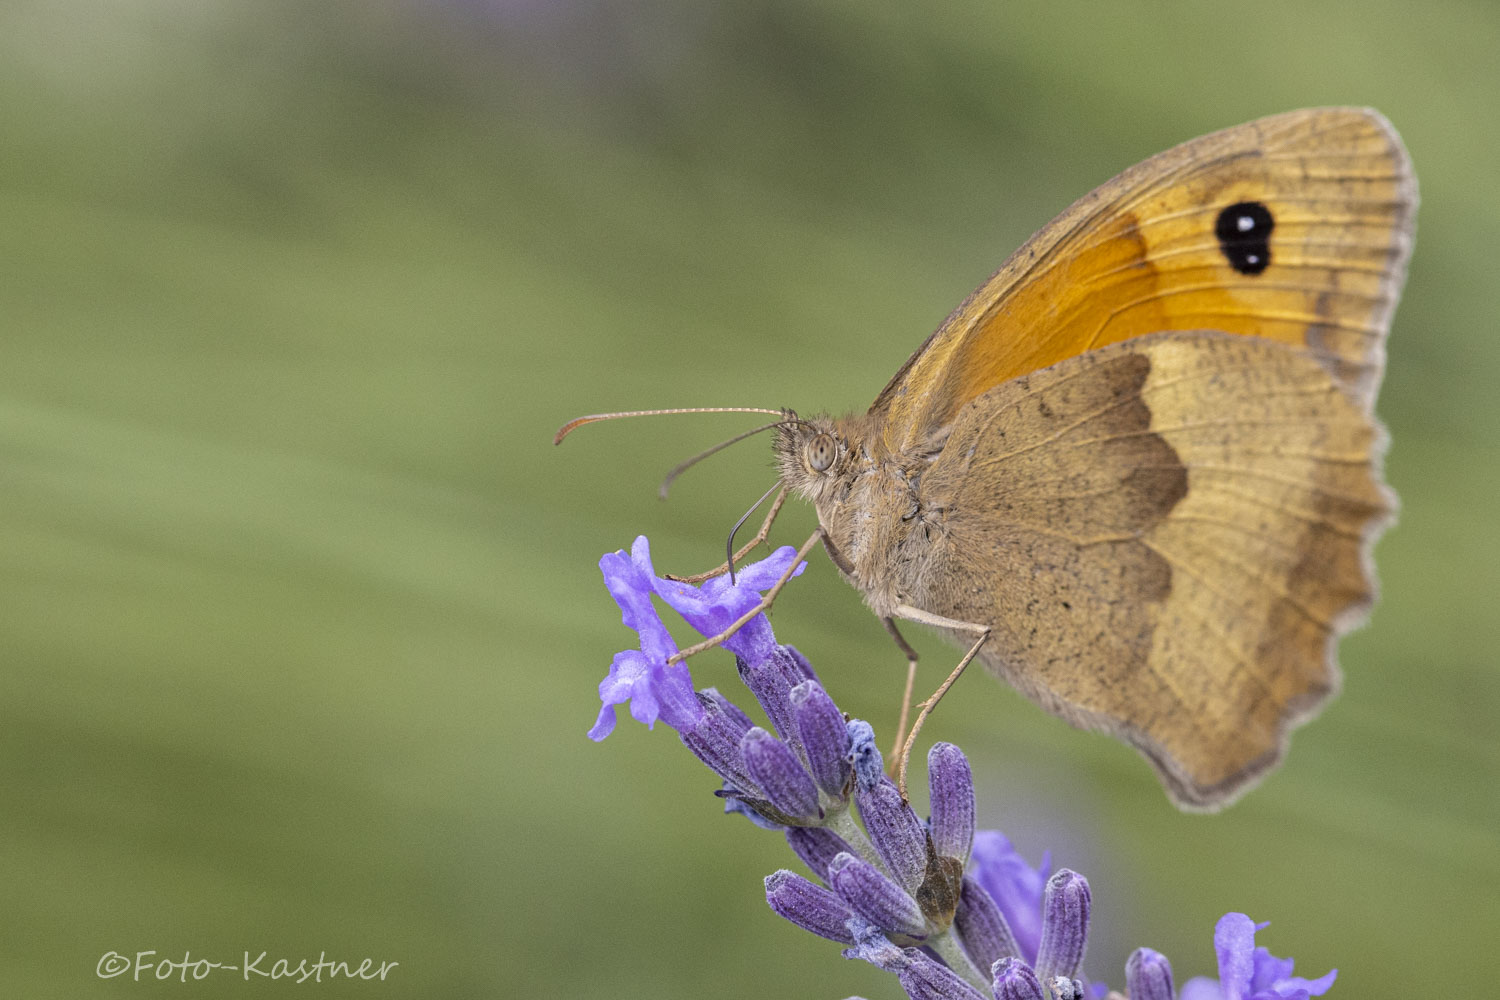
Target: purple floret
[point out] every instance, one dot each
(1250, 973)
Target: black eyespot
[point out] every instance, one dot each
(1244, 232)
(821, 451)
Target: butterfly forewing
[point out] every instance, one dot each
(1296, 228)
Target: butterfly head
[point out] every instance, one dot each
(813, 456)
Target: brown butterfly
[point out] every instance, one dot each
(1140, 464)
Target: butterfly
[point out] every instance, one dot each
(1141, 462)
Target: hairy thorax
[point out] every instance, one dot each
(882, 533)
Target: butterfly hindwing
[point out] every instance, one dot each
(1174, 531)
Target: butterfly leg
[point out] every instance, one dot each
(911, 679)
(982, 632)
(763, 605)
(760, 536)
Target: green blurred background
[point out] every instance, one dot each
(299, 612)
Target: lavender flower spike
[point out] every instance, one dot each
(1250, 973)
(933, 903)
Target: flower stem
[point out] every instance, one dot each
(843, 824)
(951, 952)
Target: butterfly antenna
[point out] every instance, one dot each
(572, 425)
(729, 543)
(682, 467)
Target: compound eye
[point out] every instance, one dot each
(821, 451)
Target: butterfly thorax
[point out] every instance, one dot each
(868, 500)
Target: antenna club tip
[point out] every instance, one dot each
(568, 428)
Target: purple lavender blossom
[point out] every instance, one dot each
(953, 912)
(1247, 972)
(951, 786)
(1148, 975)
(1015, 980)
(809, 906)
(1065, 926)
(1014, 885)
(785, 782)
(642, 676)
(825, 736)
(654, 689)
(718, 604)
